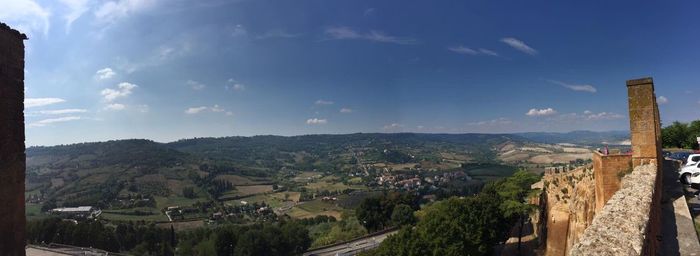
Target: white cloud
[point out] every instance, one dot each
(576, 87)
(340, 33)
(392, 127)
(314, 121)
(123, 90)
(493, 122)
(27, 16)
(105, 73)
(38, 102)
(195, 85)
(369, 11)
(53, 120)
(232, 84)
(195, 110)
(112, 11)
(469, 51)
(76, 9)
(216, 108)
(602, 116)
(62, 111)
(346, 110)
(324, 102)
(661, 100)
(519, 45)
(541, 112)
(238, 30)
(277, 34)
(115, 107)
(201, 109)
(143, 108)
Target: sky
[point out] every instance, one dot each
(166, 70)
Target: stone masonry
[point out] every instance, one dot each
(607, 169)
(629, 223)
(12, 157)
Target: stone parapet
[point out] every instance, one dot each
(624, 224)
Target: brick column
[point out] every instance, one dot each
(645, 132)
(645, 126)
(12, 158)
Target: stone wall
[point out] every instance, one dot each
(607, 170)
(622, 226)
(12, 158)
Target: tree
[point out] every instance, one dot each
(402, 215)
(513, 191)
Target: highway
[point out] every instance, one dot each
(353, 247)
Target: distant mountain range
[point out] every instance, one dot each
(579, 137)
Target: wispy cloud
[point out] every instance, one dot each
(76, 8)
(469, 51)
(541, 112)
(195, 110)
(493, 122)
(316, 121)
(661, 100)
(123, 90)
(53, 120)
(62, 111)
(519, 45)
(393, 127)
(112, 11)
(105, 73)
(324, 102)
(576, 87)
(589, 115)
(202, 109)
(341, 33)
(195, 85)
(38, 102)
(277, 34)
(26, 15)
(369, 11)
(115, 107)
(232, 84)
(346, 110)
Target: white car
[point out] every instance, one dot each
(692, 159)
(690, 174)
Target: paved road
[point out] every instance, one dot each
(352, 248)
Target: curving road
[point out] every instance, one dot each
(352, 247)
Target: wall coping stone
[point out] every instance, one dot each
(620, 228)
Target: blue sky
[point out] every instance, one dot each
(165, 70)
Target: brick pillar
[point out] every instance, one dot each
(645, 131)
(12, 158)
(645, 126)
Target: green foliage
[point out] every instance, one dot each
(402, 215)
(375, 213)
(289, 238)
(681, 135)
(141, 239)
(456, 226)
(466, 226)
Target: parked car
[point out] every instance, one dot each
(690, 174)
(681, 156)
(692, 159)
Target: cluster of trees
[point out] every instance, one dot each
(681, 135)
(465, 226)
(287, 238)
(139, 239)
(387, 210)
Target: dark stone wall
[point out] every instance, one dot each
(12, 157)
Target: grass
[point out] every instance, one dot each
(252, 190)
(332, 186)
(489, 171)
(268, 199)
(33, 211)
(237, 180)
(125, 217)
(164, 202)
